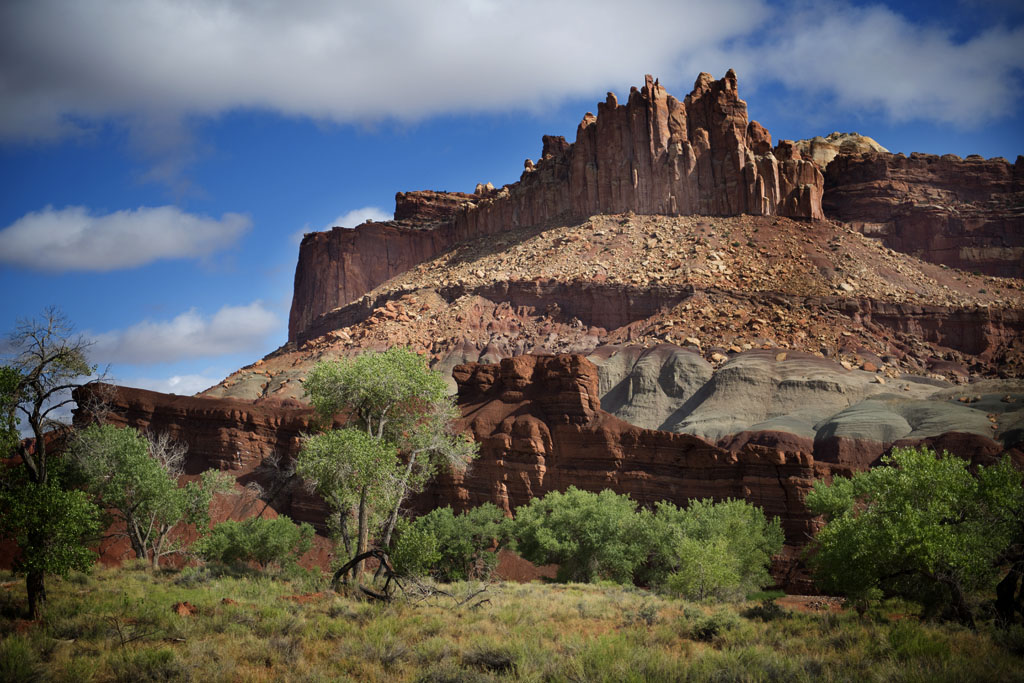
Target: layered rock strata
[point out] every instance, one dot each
(652, 155)
(822, 150)
(965, 213)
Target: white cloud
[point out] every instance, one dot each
(73, 238)
(182, 385)
(232, 329)
(66, 65)
(359, 216)
(65, 62)
(871, 59)
(348, 220)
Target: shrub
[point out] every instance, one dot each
(415, 551)
(451, 547)
(711, 550)
(766, 610)
(708, 628)
(590, 535)
(257, 540)
(18, 661)
(920, 527)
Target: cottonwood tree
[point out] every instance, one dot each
(711, 549)
(136, 479)
(920, 526)
(46, 361)
(356, 474)
(395, 400)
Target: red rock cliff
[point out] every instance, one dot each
(966, 213)
(652, 155)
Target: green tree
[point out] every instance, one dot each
(136, 479)
(10, 379)
(356, 475)
(449, 546)
(711, 549)
(46, 361)
(51, 527)
(590, 535)
(920, 526)
(396, 400)
(262, 541)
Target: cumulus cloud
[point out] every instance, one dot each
(359, 216)
(872, 59)
(73, 238)
(232, 329)
(63, 62)
(182, 385)
(66, 64)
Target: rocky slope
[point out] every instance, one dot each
(652, 155)
(965, 213)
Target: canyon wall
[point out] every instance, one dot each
(652, 155)
(965, 213)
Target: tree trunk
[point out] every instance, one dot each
(363, 532)
(960, 606)
(393, 519)
(1006, 601)
(34, 585)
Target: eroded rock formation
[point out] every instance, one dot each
(822, 150)
(652, 155)
(965, 213)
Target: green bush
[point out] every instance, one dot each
(705, 550)
(18, 661)
(414, 552)
(589, 535)
(708, 628)
(256, 540)
(921, 526)
(710, 550)
(451, 547)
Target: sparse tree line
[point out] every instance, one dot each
(922, 526)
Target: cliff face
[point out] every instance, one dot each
(652, 155)
(340, 265)
(965, 213)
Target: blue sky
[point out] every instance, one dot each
(158, 159)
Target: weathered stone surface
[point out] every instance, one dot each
(847, 416)
(426, 206)
(652, 155)
(822, 150)
(340, 265)
(966, 213)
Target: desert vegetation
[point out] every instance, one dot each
(926, 549)
(123, 625)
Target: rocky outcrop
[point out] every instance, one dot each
(429, 208)
(822, 150)
(658, 155)
(966, 213)
(540, 426)
(652, 155)
(840, 415)
(340, 265)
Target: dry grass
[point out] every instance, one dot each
(117, 625)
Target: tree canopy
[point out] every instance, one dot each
(589, 535)
(136, 479)
(920, 526)
(389, 404)
(46, 360)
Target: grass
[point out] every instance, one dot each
(118, 625)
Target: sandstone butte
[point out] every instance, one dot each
(670, 307)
